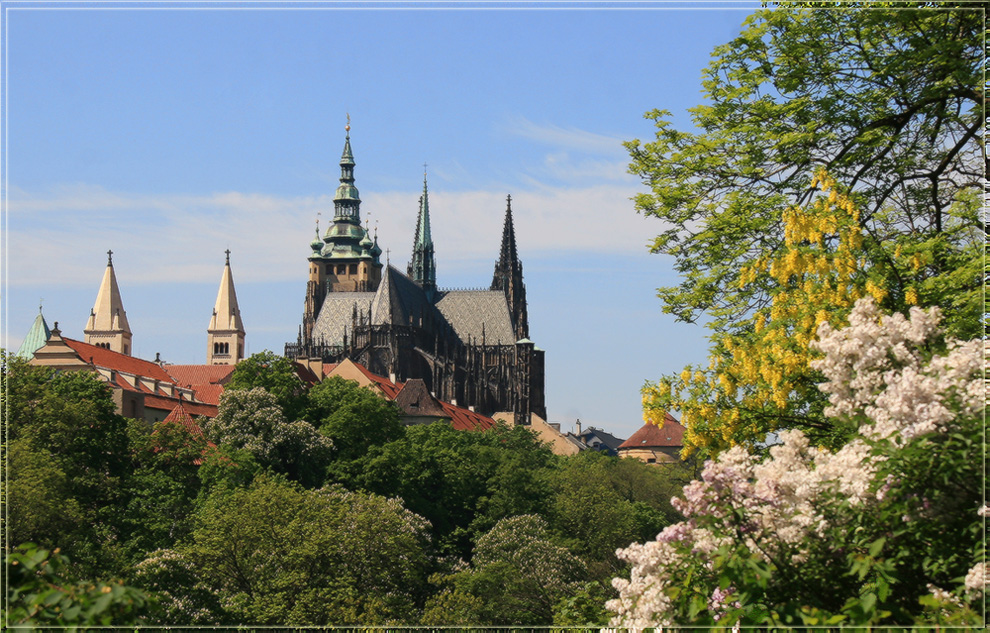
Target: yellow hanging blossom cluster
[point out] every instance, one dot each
(818, 275)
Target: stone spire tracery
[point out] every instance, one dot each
(508, 275)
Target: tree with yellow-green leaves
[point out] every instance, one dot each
(884, 107)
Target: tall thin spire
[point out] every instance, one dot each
(423, 267)
(107, 325)
(225, 335)
(508, 275)
(347, 201)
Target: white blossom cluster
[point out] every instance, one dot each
(877, 375)
(253, 420)
(875, 366)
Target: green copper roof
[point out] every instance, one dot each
(347, 157)
(36, 337)
(423, 237)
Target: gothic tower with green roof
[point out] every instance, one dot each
(346, 258)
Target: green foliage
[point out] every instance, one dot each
(276, 375)
(517, 576)
(253, 421)
(585, 607)
(281, 555)
(354, 417)
(40, 593)
(39, 504)
(887, 101)
(461, 482)
(68, 448)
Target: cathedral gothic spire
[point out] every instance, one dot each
(225, 335)
(423, 267)
(107, 326)
(508, 276)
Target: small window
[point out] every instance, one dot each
(353, 270)
(651, 460)
(342, 269)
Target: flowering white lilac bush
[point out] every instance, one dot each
(864, 535)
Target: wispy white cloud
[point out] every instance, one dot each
(172, 238)
(567, 138)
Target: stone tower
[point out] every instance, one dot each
(225, 335)
(423, 267)
(509, 276)
(346, 258)
(107, 326)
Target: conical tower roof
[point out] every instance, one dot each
(108, 312)
(226, 313)
(36, 337)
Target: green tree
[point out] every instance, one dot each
(281, 555)
(164, 486)
(68, 446)
(275, 374)
(354, 417)
(40, 592)
(887, 101)
(596, 507)
(517, 576)
(462, 482)
(253, 420)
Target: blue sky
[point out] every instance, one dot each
(171, 132)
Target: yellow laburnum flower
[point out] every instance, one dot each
(911, 297)
(686, 375)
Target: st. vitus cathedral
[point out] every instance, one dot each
(470, 347)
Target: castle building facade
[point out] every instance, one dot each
(468, 347)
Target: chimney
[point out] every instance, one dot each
(577, 423)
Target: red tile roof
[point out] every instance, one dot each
(466, 420)
(163, 403)
(180, 415)
(671, 434)
(391, 389)
(209, 394)
(189, 375)
(108, 359)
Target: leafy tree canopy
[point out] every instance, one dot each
(353, 417)
(888, 102)
(276, 375)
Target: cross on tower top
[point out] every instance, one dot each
(227, 252)
(109, 258)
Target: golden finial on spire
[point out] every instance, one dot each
(347, 128)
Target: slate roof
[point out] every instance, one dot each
(400, 301)
(475, 312)
(671, 434)
(336, 315)
(609, 440)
